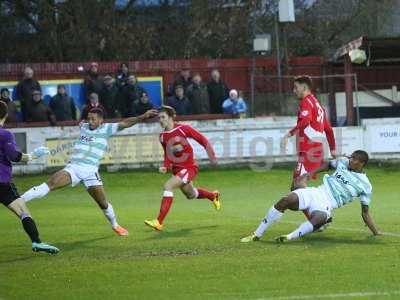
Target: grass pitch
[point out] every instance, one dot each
(199, 256)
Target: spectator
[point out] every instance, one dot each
(234, 105)
(180, 102)
(183, 79)
(108, 97)
(62, 105)
(122, 75)
(217, 91)
(39, 111)
(93, 82)
(24, 90)
(130, 93)
(198, 95)
(93, 103)
(11, 107)
(142, 105)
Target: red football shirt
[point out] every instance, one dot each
(178, 153)
(312, 122)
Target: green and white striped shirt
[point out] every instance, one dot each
(89, 149)
(345, 185)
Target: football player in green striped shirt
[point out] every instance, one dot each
(84, 163)
(346, 183)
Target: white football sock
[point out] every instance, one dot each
(303, 229)
(110, 215)
(272, 216)
(36, 192)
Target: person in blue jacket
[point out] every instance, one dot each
(234, 105)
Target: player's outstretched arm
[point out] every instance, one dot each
(202, 140)
(129, 122)
(368, 219)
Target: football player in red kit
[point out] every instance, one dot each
(312, 123)
(179, 159)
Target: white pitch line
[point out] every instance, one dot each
(334, 296)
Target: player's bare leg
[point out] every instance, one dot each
(199, 193)
(98, 194)
(18, 207)
(291, 201)
(317, 219)
(58, 180)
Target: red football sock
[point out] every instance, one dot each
(205, 194)
(165, 205)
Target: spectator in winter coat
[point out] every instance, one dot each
(234, 105)
(11, 106)
(93, 103)
(217, 91)
(197, 93)
(24, 90)
(180, 102)
(62, 105)
(39, 111)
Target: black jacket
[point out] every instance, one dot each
(24, 91)
(40, 112)
(139, 108)
(181, 106)
(129, 94)
(218, 92)
(63, 107)
(109, 99)
(198, 96)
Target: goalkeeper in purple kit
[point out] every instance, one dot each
(8, 193)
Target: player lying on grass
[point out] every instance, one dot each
(346, 183)
(8, 192)
(83, 166)
(179, 158)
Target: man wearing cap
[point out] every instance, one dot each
(11, 107)
(63, 105)
(108, 97)
(39, 111)
(234, 105)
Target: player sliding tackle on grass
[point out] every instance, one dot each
(8, 192)
(346, 183)
(179, 158)
(83, 166)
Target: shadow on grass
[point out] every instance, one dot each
(17, 259)
(70, 246)
(324, 241)
(179, 233)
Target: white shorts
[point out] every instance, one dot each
(89, 177)
(314, 199)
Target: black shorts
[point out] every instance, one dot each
(8, 193)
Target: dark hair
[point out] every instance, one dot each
(60, 86)
(362, 156)
(3, 110)
(304, 79)
(97, 111)
(170, 111)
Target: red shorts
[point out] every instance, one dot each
(307, 163)
(186, 174)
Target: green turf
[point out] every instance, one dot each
(198, 256)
